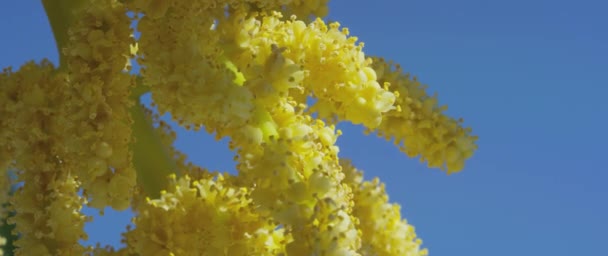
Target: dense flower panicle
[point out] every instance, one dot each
(98, 48)
(240, 69)
(47, 206)
(253, 125)
(297, 181)
(60, 227)
(70, 129)
(184, 51)
(383, 231)
(291, 159)
(206, 217)
(419, 126)
(323, 61)
(180, 59)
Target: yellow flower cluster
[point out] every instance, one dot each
(316, 59)
(240, 69)
(418, 125)
(203, 217)
(69, 129)
(99, 46)
(382, 230)
(47, 205)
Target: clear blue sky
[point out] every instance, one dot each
(530, 77)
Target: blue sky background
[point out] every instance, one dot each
(530, 77)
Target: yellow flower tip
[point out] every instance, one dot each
(424, 252)
(345, 31)
(397, 94)
(172, 176)
(334, 25)
(239, 78)
(133, 49)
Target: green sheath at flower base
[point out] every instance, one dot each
(61, 15)
(152, 162)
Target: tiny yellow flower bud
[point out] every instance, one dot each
(103, 150)
(98, 167)
(320, 184)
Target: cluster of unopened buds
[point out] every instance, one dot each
(76, 134)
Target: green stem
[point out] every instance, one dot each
(61, 16)
(151, 158)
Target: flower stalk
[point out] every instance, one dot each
(150, 158)
(61, 16)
